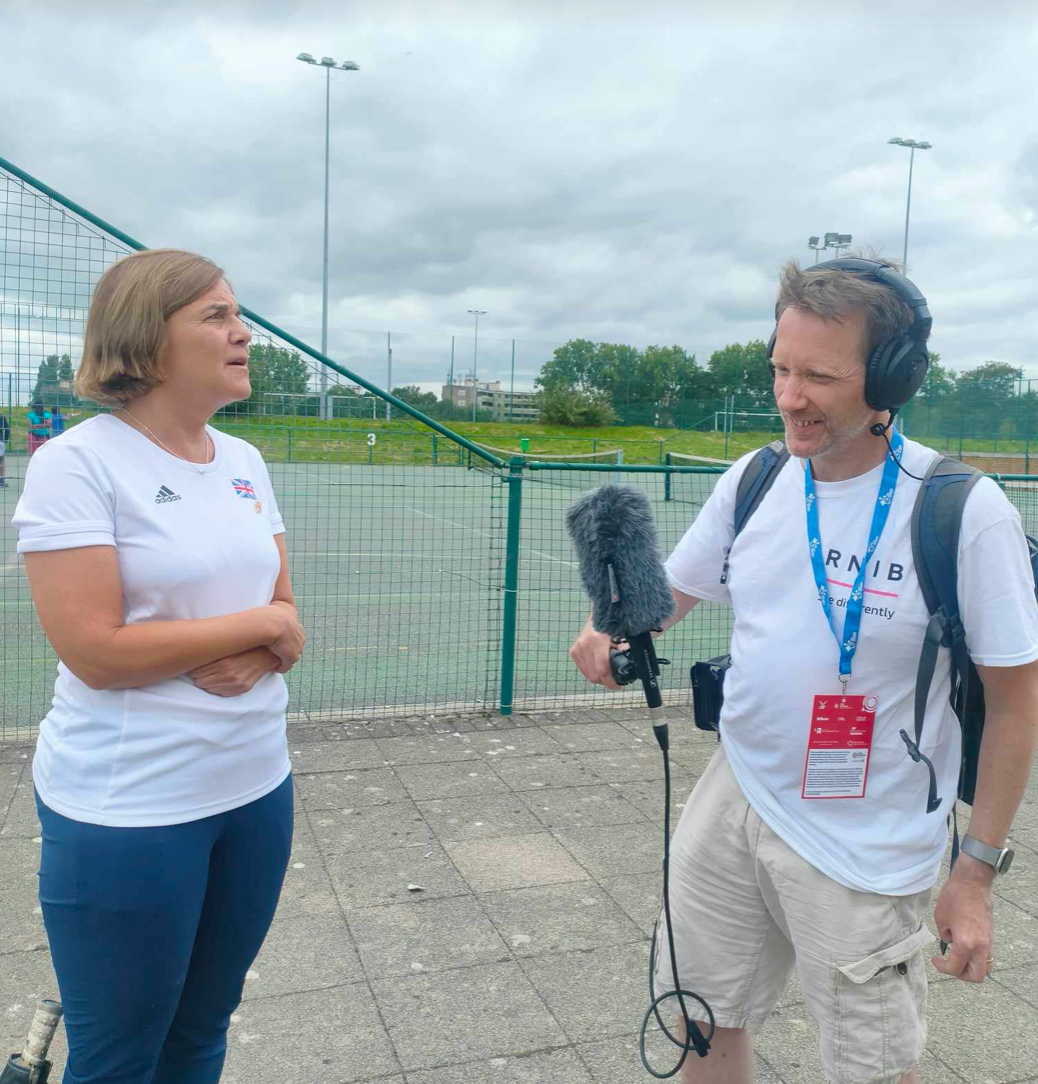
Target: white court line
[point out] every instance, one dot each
(476, 530)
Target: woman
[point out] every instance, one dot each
(39, 426)
(156, 556)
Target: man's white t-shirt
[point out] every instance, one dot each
(784, 654)
(193, 541)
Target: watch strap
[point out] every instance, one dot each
(983, 851)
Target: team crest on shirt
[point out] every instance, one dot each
(243, 487)
(258, 508)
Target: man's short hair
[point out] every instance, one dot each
(125, 340)
(835, 295)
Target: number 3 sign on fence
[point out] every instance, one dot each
(371, 448)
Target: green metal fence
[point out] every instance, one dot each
(432, 575)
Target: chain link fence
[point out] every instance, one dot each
(433, 575)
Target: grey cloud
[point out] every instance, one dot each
(578, 169)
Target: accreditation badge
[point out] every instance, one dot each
(839, 746)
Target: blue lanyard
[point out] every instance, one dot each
(852, 623)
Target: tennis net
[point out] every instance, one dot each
(690, 487)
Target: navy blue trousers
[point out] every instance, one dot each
(152, 931)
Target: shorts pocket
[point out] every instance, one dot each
(900, 953)
(880, 1013)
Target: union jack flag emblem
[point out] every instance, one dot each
(243, 487)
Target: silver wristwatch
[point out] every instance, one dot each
(1000, 859)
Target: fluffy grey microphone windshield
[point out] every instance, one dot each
(612, 528)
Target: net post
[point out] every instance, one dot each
(666, 479)
(511, 601)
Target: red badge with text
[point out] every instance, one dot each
(839, 746)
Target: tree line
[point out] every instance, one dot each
(588, 383)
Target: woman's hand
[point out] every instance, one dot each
(235, 674)
(289, 636)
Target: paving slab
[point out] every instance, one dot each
(335, 756)
(617, 1061)
(1007, 1022)
(349, 789)
(370, 878)
(559, 918)
(307, 889)
(457, 779)
(21, 918)
(430, 1026)
(597, 992)
(427, 749)
(365, 828)
(21, 821)
(581, 807)
(622, 765)
(550, 770)
(617, 850)
(431, 936)
(304, 952)
(323, 1037)
(586, 737)
(541, 1067)
(480, 817)
(638, 895)
(10, 777)
(515, 743)
(514, 861)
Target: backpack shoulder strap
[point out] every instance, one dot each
(754, 483)
(936, 524)
(757, 478)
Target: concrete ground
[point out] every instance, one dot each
(536, 841)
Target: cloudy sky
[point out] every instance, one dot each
(631, 172)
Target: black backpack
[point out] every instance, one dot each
(936, 520)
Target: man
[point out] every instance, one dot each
(57, 421)
(5, 436)
(767, 869)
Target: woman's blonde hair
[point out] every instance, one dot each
(125, 340)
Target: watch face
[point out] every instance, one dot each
(1006, 860)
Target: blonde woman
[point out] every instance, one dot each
(156, 556)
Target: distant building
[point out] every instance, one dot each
(503, 405)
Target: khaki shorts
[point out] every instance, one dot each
(746, 908)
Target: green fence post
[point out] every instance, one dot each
(434, 449)
(290, 445)
(511, 606)
(666, 478)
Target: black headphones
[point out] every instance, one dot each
(896, 369)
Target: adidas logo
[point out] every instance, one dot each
(165, 495)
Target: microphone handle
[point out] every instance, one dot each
(647, 667)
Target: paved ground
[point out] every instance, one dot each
(537, 840)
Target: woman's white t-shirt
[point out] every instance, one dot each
(784, 654)
(193, 541)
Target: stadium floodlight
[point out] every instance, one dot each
(845, 239)
(812, 243)
(913, 145)
(477, 313)
(327, 63)
(831, 239)
(839, 240)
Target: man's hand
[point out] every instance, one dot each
(235, 674)
(964, 920)
(590, 651)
